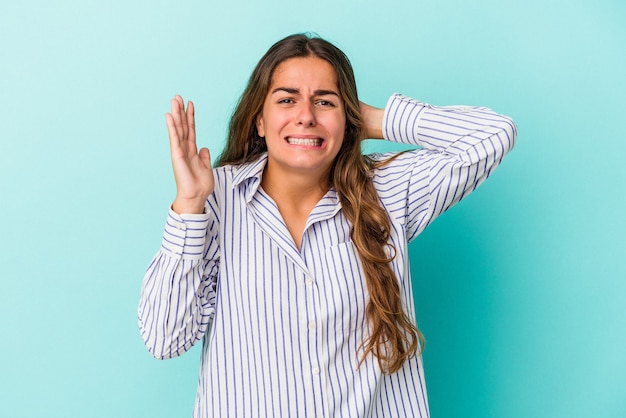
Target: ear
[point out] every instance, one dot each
(259, 125)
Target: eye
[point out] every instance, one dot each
(286, 101)
(325, 103)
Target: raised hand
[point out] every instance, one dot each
(192, 168)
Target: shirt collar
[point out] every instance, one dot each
(249, 175)
(252, 170)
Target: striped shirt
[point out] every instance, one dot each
(281, 327)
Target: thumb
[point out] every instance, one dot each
(205, 156)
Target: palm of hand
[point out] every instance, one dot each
(192, 168)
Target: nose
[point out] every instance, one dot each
(306, 115)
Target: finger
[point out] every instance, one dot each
(205, 156)
(191, 127)
(176, 118)
(183, 117)
(175, 148)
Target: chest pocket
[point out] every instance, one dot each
(344, 289)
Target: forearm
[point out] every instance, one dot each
(470, 134)
(177, 292)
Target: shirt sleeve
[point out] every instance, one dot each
(177, 297)
(460, 146)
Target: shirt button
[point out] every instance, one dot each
(312, 325)
(308, 281)
(315, 370)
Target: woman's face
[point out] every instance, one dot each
(303, 118)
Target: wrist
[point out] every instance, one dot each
(194, 206)
(373, 121)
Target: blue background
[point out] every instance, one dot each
(520, 290)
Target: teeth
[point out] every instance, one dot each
(305, 141)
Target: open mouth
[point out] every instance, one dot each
(309, 142)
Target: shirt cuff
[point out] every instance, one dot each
(185, 235)
(401, 119)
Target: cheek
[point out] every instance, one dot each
(341, 131)
(335, 126)
(274, 124)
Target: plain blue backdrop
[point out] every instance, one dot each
(520, 290)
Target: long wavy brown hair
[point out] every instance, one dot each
(394, 337)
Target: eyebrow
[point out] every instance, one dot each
(292, 90)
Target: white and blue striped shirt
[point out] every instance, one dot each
(281, 327)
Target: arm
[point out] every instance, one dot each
(469, 134)
(460, 148)
(178, 291)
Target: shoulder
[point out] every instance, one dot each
(395, 175)
(237, 181)
(397, 163)
(238, 173)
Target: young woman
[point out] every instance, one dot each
(289, 260)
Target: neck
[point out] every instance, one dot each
(296, 190)
(295, 194)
